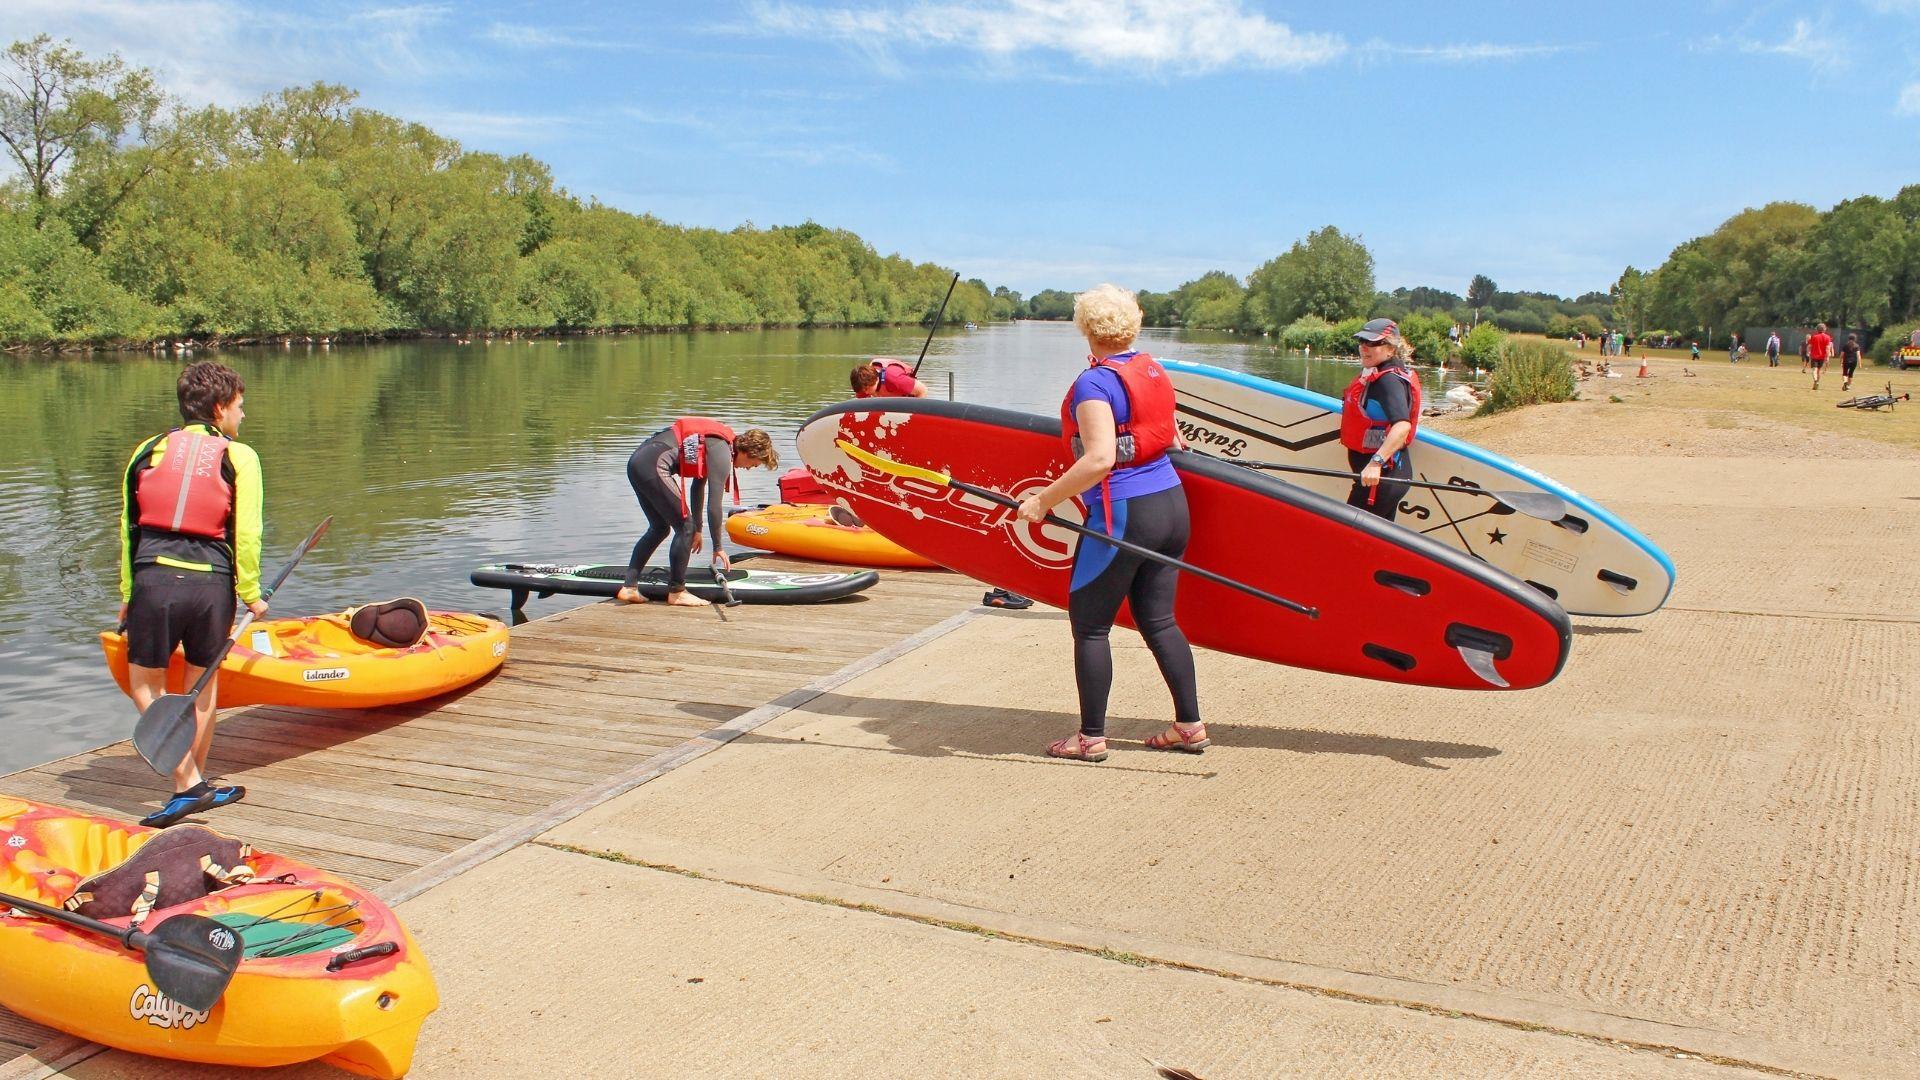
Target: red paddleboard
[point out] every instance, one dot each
(1394, 605)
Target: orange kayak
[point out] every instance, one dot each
(329, 973)
(316, 662)
(827, 533)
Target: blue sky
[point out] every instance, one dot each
(1056, 143)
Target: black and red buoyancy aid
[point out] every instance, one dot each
(1362, 432)
(690, 441)
(186, 492)
(1149, 431)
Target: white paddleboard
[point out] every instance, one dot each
(1590, 561)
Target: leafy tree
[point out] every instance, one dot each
(1329, 274)
(1212, 301)
(1158, 309)
(1480, 291)
(56, 104)
(1050, 304)
(1631, 296)
(1482, 346)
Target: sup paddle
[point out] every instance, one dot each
(918, 473)
(190, 958)
(915, 373)
(1538, 504)
(726, 592)
(164, 735)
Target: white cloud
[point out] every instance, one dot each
(1467, 52)
(494, 127)
(228, 53)
(1185, 36)
(517, 36)
(1807, 42)
(1909, 104)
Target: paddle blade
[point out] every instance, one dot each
(1536, 504)
(164, 735)
(894, 467)
(192, 959)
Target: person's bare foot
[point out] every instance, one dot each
(683, 598)
(629, 595)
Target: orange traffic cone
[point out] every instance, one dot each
(1644, 373)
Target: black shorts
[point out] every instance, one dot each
(1848, 366)
(185, 608)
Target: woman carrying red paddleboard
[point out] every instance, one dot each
(1118, 421)
(706, 452)
(1378, 419)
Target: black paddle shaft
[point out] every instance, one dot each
(1541, 504)
(1144, 552)
(164, 734)
(190, 957)
(937, 316)
(246, 619)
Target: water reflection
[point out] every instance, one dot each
(432, 458)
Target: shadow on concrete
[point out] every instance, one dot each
(1590, 630)
(935, 729)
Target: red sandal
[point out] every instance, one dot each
(1175, 739)
(1076, 747)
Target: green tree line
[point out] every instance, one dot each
(1855, 265)
(131, 217)
(1316, 293)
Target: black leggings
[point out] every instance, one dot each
(1387, 503)
(660, 501)
(1103, 577)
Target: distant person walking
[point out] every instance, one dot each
(1773, 349)
(1849, 360)
(1803, 352)
(1696, 351)
(1819, 347)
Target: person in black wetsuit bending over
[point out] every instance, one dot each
(1118, 421)
(694, 449)
(1378, 419)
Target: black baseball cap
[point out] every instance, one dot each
(1377, 330)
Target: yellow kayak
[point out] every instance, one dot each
(317, 662)
(328, 971)
(827, 533)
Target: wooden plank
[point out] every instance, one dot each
(21, 1032)
(594, 701)
(420, 735)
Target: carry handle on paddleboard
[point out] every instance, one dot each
(898, 469)
(164, 734)
(1537, 504)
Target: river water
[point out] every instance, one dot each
(433, 458)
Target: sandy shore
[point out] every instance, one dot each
(1692, 855)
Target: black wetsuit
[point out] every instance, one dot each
(653, 471)
(1394, 399)
(1104, 576)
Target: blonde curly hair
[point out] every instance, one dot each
(758, 445)
(1107, 315)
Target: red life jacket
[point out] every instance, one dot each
(186, 493)
(690, 437)
(1363, 433)
(884, 368)
(1149, 425)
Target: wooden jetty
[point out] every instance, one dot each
(592, 702)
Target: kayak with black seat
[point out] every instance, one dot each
(326, 971)
(349, 660)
